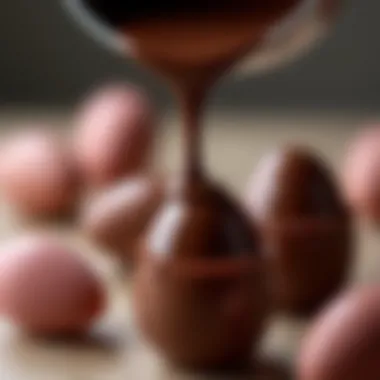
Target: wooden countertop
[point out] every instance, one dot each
(234, 145)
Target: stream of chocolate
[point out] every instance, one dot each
(192, 43)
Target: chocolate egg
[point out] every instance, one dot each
(200, 285)
(361, 174)
(114, 133)
(306, 226)
(47, 289)
(37, 173)
(343, 341)
(116, 217)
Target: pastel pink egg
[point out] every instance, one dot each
(114, 134)
(45, 288)
(37, 173)
(116, 217)
(361, 174)
(343, 341)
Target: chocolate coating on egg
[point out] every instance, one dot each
(201, 220)
(343, 342)
(200, 293)
(306, 226)
(293, 183)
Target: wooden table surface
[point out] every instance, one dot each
(113, 351)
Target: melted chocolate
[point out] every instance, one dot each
(200, 285)
(201, 293)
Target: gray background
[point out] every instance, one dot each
(48, 59)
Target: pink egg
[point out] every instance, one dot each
(361, 175)
(47, 289)
(116, 217)
(343, 342)
(114, 134)
(37, 173)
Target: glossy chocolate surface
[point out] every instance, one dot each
(294, 184)
(201, 293)
(199, 219)
(309, 264)
(306, 226)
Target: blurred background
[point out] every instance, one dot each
(48, 60)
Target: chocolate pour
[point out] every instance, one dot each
(200, 291)
(201, 294)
